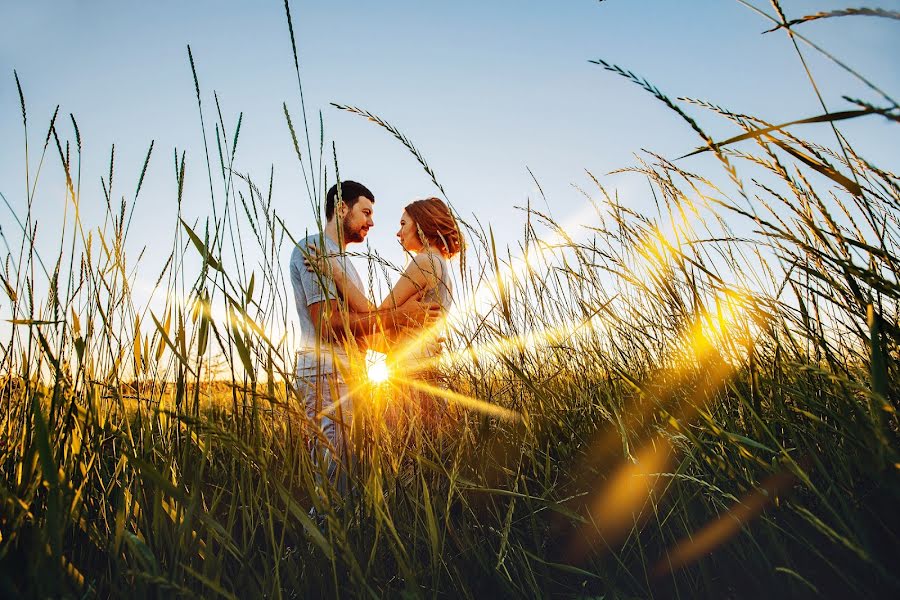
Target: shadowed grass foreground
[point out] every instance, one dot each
(647, 405)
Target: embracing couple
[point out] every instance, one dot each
(337, 318)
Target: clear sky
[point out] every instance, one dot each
(484, 89)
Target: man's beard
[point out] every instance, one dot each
(353, 236)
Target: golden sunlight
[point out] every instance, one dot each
(378, 371)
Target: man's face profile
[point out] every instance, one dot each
(357, 220)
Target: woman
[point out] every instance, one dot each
(430, 233)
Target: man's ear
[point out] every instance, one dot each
(340, 208)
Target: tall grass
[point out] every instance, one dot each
(650, 406)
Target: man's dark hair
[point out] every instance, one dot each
(350, 193)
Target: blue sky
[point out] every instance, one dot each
(483, 89)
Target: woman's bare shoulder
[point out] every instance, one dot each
(428, 263)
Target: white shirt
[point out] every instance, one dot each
(309, 288)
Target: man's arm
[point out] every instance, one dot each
(330, 267)
(335, 323)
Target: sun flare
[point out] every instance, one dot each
(378, 372)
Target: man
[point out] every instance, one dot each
(327, 328)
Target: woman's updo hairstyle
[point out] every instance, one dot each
(435, 221)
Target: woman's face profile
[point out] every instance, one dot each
(408, 234)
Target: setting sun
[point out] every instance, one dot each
(378, 372)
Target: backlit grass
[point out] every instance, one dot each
(646, 405)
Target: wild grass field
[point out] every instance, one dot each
(656, 406)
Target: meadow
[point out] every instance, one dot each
(663, 407)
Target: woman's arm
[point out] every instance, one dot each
(421, 275)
